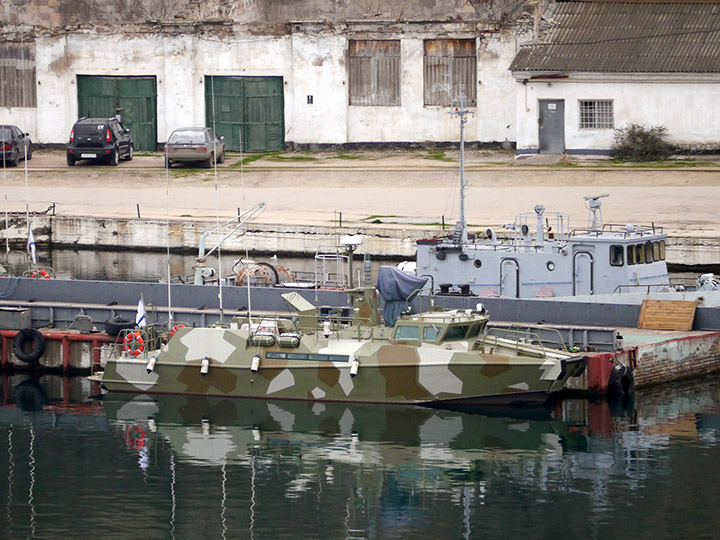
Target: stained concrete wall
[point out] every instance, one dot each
(304, 42)
(688, 106)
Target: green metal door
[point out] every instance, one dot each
(247, 111)
(133, 97)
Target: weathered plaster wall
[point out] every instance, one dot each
(303, 41)
(688, 108)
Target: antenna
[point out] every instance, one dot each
(595, 216)
(461, 111)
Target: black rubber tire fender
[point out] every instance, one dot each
(621, 380)
(28, 335)
(117, 324)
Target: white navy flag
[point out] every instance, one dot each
(31, 246)
(140, 317)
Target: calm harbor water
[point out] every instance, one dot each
(72, 466)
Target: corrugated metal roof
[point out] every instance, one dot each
(628, 37)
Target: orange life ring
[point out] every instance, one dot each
(40, 274)
(176, 328)
(134, 343)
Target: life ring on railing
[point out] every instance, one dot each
(175, 328)
(25, 336)
(134, 343)
(40, 274)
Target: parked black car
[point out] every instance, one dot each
(14, 143)
(99, 139)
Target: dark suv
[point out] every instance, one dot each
(99, 139)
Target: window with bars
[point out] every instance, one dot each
(450, 71)
(596, 114)
(374, 72)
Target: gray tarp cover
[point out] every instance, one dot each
(396, 288)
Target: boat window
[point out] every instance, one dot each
(662, 249)
(631, 255)
(456, 332)
(656, 251)
(431, 333)
(639, 254)
(407, 332)
(474, 331)
(648, 252)
(616, 255)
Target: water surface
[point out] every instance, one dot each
(73, 466)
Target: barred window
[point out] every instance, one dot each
(596, 114)
(450, 67)
(374, 72)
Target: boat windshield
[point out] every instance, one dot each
(407, 332)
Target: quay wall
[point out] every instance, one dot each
(185, 235)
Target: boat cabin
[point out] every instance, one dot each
(439, 327)
(544, 257)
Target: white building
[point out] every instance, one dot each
(268, 74)
(606, 65)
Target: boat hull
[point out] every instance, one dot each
(384, 372)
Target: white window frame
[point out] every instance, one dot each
(596, 113)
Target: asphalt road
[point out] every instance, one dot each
(389, 189)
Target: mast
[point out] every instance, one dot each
(461, 110)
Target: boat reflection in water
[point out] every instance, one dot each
(213, 431)
(201, 467)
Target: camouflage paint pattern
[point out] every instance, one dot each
(389, 371)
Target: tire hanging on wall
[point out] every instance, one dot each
(20, 349)
(621, 380)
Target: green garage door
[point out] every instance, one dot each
(133, 97)
(248, 112)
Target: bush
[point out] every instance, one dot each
(638, 143)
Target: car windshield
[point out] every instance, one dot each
(187, 137)
(4, 133)
(86, 130)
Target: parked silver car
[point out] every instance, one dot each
(194, 144)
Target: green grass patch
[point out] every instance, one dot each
(278, 157)
(438, 155)
(345, 155)
(249, 158)
(185, 215)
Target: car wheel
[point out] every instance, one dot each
(208, 162)
(70, 160)
(221, 159)
(115, 158)
(29, 154)
(129, 154)
(12, 162)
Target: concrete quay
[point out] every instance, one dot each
(392, 198)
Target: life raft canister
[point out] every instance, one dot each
(134, 344)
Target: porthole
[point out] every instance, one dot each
(463, 257)
(477, 263)
(440, 255)
(550, 265)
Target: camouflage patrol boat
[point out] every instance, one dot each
(432, 358)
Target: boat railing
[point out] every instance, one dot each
(523, 340)
(647, 289)
(620, 229)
